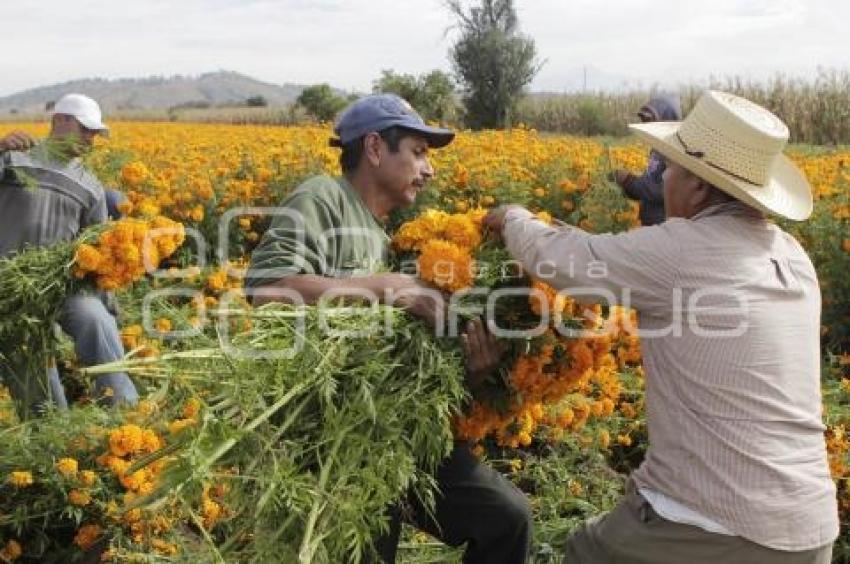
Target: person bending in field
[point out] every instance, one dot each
(328, 236)
(729, 307)
(47, 196)
(647, 188)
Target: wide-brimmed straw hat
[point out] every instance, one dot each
(735, 145)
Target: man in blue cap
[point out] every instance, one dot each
(327, 237)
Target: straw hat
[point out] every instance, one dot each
(736, 146)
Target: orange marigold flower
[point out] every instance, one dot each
(79, 498)
(446, 265)
(12, 551)
(87, 257)
(125, 440)
(87, 535)
(134, 173)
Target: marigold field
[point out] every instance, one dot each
(568, 441)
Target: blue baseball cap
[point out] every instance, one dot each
(381, 111)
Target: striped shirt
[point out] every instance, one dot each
(43, 201)
(729, 309)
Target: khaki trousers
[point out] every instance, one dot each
(633, 533)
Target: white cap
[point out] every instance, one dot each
(86, 110)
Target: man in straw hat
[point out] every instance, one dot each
(67, 199)
(729, 306)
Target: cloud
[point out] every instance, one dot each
(348, 42)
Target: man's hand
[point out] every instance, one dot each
(16, 141)
(482, 353)
(410, 293)
(495, 219)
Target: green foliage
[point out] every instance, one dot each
(432, 94)
(591, 118)
(256, 101)
(321, 102)
(492, 60)
(816, 111)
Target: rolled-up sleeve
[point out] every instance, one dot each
(636, 268)
(294, 243)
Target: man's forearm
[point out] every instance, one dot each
(310, 288)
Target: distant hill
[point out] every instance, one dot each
(215, 88)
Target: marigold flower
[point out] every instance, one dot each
(12, 551)
(87, 535)
(125, 440)
(21, 479)
(446, 265)
(88, 477)
(79, 498)
(67, 467)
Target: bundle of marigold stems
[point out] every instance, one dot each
(309, 426)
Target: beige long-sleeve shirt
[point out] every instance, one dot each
(729, 309)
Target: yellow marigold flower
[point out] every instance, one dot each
(163, 547)
(544, 216)
(12, 551)
(177, 426)
(624, 440)
(79, 498)
(21, 479)
(196, 214)
(163, 325)
(67, 467)
(148, 208)
(604, 438)
(88, 477)
(150, 441)
(87, 535)
(217, 281)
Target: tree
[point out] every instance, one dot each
(492, 61)
(321, 102)
(257, 101)
(432, 94)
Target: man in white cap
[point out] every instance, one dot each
(729, 306)
(67, 199)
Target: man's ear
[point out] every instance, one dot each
(372, 149)
(702, 192)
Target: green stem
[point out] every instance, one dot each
(308, 548)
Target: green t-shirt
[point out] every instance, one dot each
(322, 228)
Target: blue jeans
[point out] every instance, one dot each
(96, 341)
(113, 199)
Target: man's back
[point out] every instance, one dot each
(43, 201)
(739, 437)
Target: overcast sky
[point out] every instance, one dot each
(347, 42)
